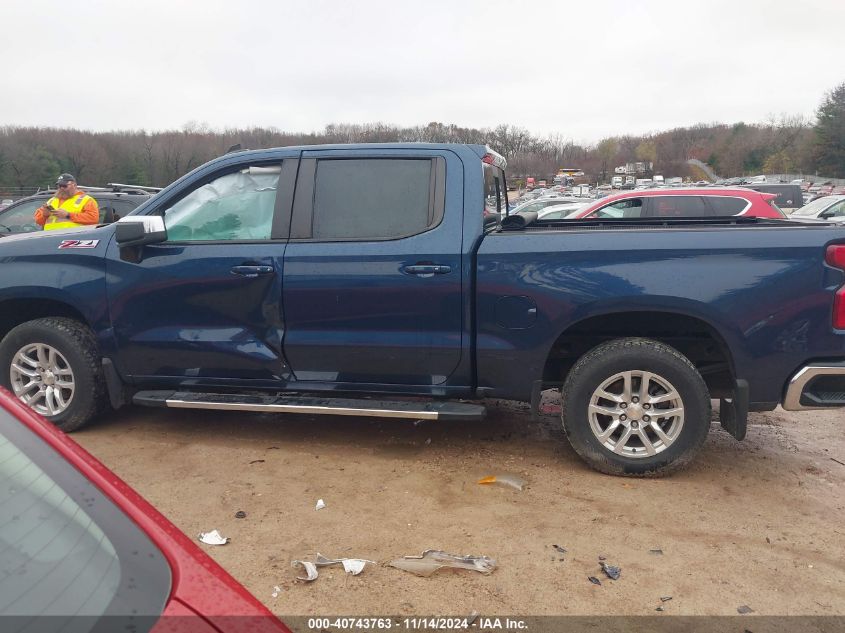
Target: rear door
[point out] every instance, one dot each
(372, 276)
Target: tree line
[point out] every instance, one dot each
(33, 156)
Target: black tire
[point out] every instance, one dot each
(633, 355)
(79, 347)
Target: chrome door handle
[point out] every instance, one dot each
(251, 271)
(427, 269)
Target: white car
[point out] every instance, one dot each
(540, 204)
(830, 208)
(561, 211)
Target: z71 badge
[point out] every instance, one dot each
(79, 243)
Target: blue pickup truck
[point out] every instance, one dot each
(388, 280)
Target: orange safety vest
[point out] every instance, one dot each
(72, 205)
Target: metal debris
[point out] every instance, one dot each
(611, 571)
(660, 609)
(257, 461)
(432, 560)
(594, 580)
(656, 552)
(744, 609)
(837, 461)
(240, 514)
(213, 538)
(562, 550)
(505, 479)
(665, 598)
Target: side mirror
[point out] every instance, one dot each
(138, 230)
(826, 214)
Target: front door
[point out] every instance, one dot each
(373, 270)
(204, 306)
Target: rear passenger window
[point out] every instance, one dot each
(725, 205)
(373, 198)
(679, 207)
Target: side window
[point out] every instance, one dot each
(376, 198)
(494, 191)
(726, 205)
(630, 208)
(837, 210)
(679, 207)
(122, 208)
(234, 206)
(21, 219)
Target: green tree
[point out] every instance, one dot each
(830, 134)
(606, 151)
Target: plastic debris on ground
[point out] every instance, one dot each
(665, 598)
(660, 609)
(240, 514)
(594, 580)
(352, 566)
(562, 550)
(611, 571)
(213, 538)
(656, 552)
(320, 504)
(276, 591)
(432, 560)
(310, 570)
(504, 479)
(744, 609)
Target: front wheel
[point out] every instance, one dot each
(635, 407)
(52, 365)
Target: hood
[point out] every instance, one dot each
(42, 243)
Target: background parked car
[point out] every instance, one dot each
(830, 208)
(669, 203)
(543, 203)
(789, 197)
(77, 541)
(114, 203)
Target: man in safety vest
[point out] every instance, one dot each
(69, 208)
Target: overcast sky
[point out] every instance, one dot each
(585, 70)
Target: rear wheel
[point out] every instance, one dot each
(53, 366)
(635, 407)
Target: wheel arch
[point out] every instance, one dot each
(694, 337)
(14, 311)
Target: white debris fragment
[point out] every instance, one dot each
(310, 569)
(276, 591)
(320, 504)
(213, 538)
(353, 566)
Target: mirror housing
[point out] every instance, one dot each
(138, 230)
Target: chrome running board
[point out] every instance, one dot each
(312, 405)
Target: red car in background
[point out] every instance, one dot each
(81, 551)
(683, 203)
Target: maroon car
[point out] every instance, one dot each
(81, 551)
(674, 203)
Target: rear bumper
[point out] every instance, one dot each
(816, 386)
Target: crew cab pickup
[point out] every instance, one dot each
(389, 280)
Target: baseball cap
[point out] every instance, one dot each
(65, 178)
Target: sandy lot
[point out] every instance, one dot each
(759, 523)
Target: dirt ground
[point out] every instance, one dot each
(758, 523)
